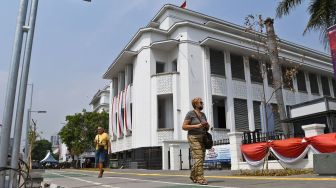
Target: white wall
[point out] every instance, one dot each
(142, 100)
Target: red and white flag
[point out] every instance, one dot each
(184, 4)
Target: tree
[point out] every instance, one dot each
(267, 50)
(322, 15)
(276, 71)
(79, 132)
(33, 135)
(40, 149)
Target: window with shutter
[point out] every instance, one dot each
(325, 86)
(237, 66)
(301, 81)
(217, 63)
(241, 115)
(256, 112)
(313, 83)
(255, 71)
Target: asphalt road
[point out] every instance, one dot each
(178, 179)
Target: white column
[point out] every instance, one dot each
(312, 130)
(296, 91)
(121, 81)
(114, 88)
(249, 94)
(114, 93)
(165, 149)
(174, 156)
(110, 111)
(230, 121)
(235, 151)
(207, 85)
(176, 107)
(331, 87)
(128, 74)
(319, 83)
(308, 85)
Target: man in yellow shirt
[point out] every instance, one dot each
(103, 148)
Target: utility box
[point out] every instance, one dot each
(325, 163)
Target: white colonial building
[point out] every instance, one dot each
(182, 54)
(100, 101)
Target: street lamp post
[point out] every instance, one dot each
(11, 88)
(22, 93)
(12, 79)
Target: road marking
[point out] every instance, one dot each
(225, 177)
(86, 181)
(166, 182)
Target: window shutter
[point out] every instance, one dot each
(241, 115)
(256, 112)
(301, 81)
(237, 66)
(217, 64)
(313, 83)
(325, 86)
(255, 71)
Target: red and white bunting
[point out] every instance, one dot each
(127, 109)
(119, 116)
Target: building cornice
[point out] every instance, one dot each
(238, 32)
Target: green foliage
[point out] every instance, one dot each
(79, 132)
(40, 149)
(322, 15)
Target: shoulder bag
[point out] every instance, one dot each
(207, 137)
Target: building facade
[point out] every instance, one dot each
(100, 101)
(55, 143)
(182, 54)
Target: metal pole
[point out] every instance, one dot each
(22, 93)
(11, 88)
(27, 135)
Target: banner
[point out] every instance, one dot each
(220, 153)
(332, 42)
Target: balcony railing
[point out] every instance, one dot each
(250, 137)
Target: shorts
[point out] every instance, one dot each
(101, 155)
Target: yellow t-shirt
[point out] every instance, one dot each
(102, 140)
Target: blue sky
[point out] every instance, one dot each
(75, 42)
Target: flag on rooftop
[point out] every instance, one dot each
(184, 4)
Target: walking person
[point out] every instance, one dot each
(103, 148)
(195, 122)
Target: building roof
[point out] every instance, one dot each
(210, 24)
(98, 94)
